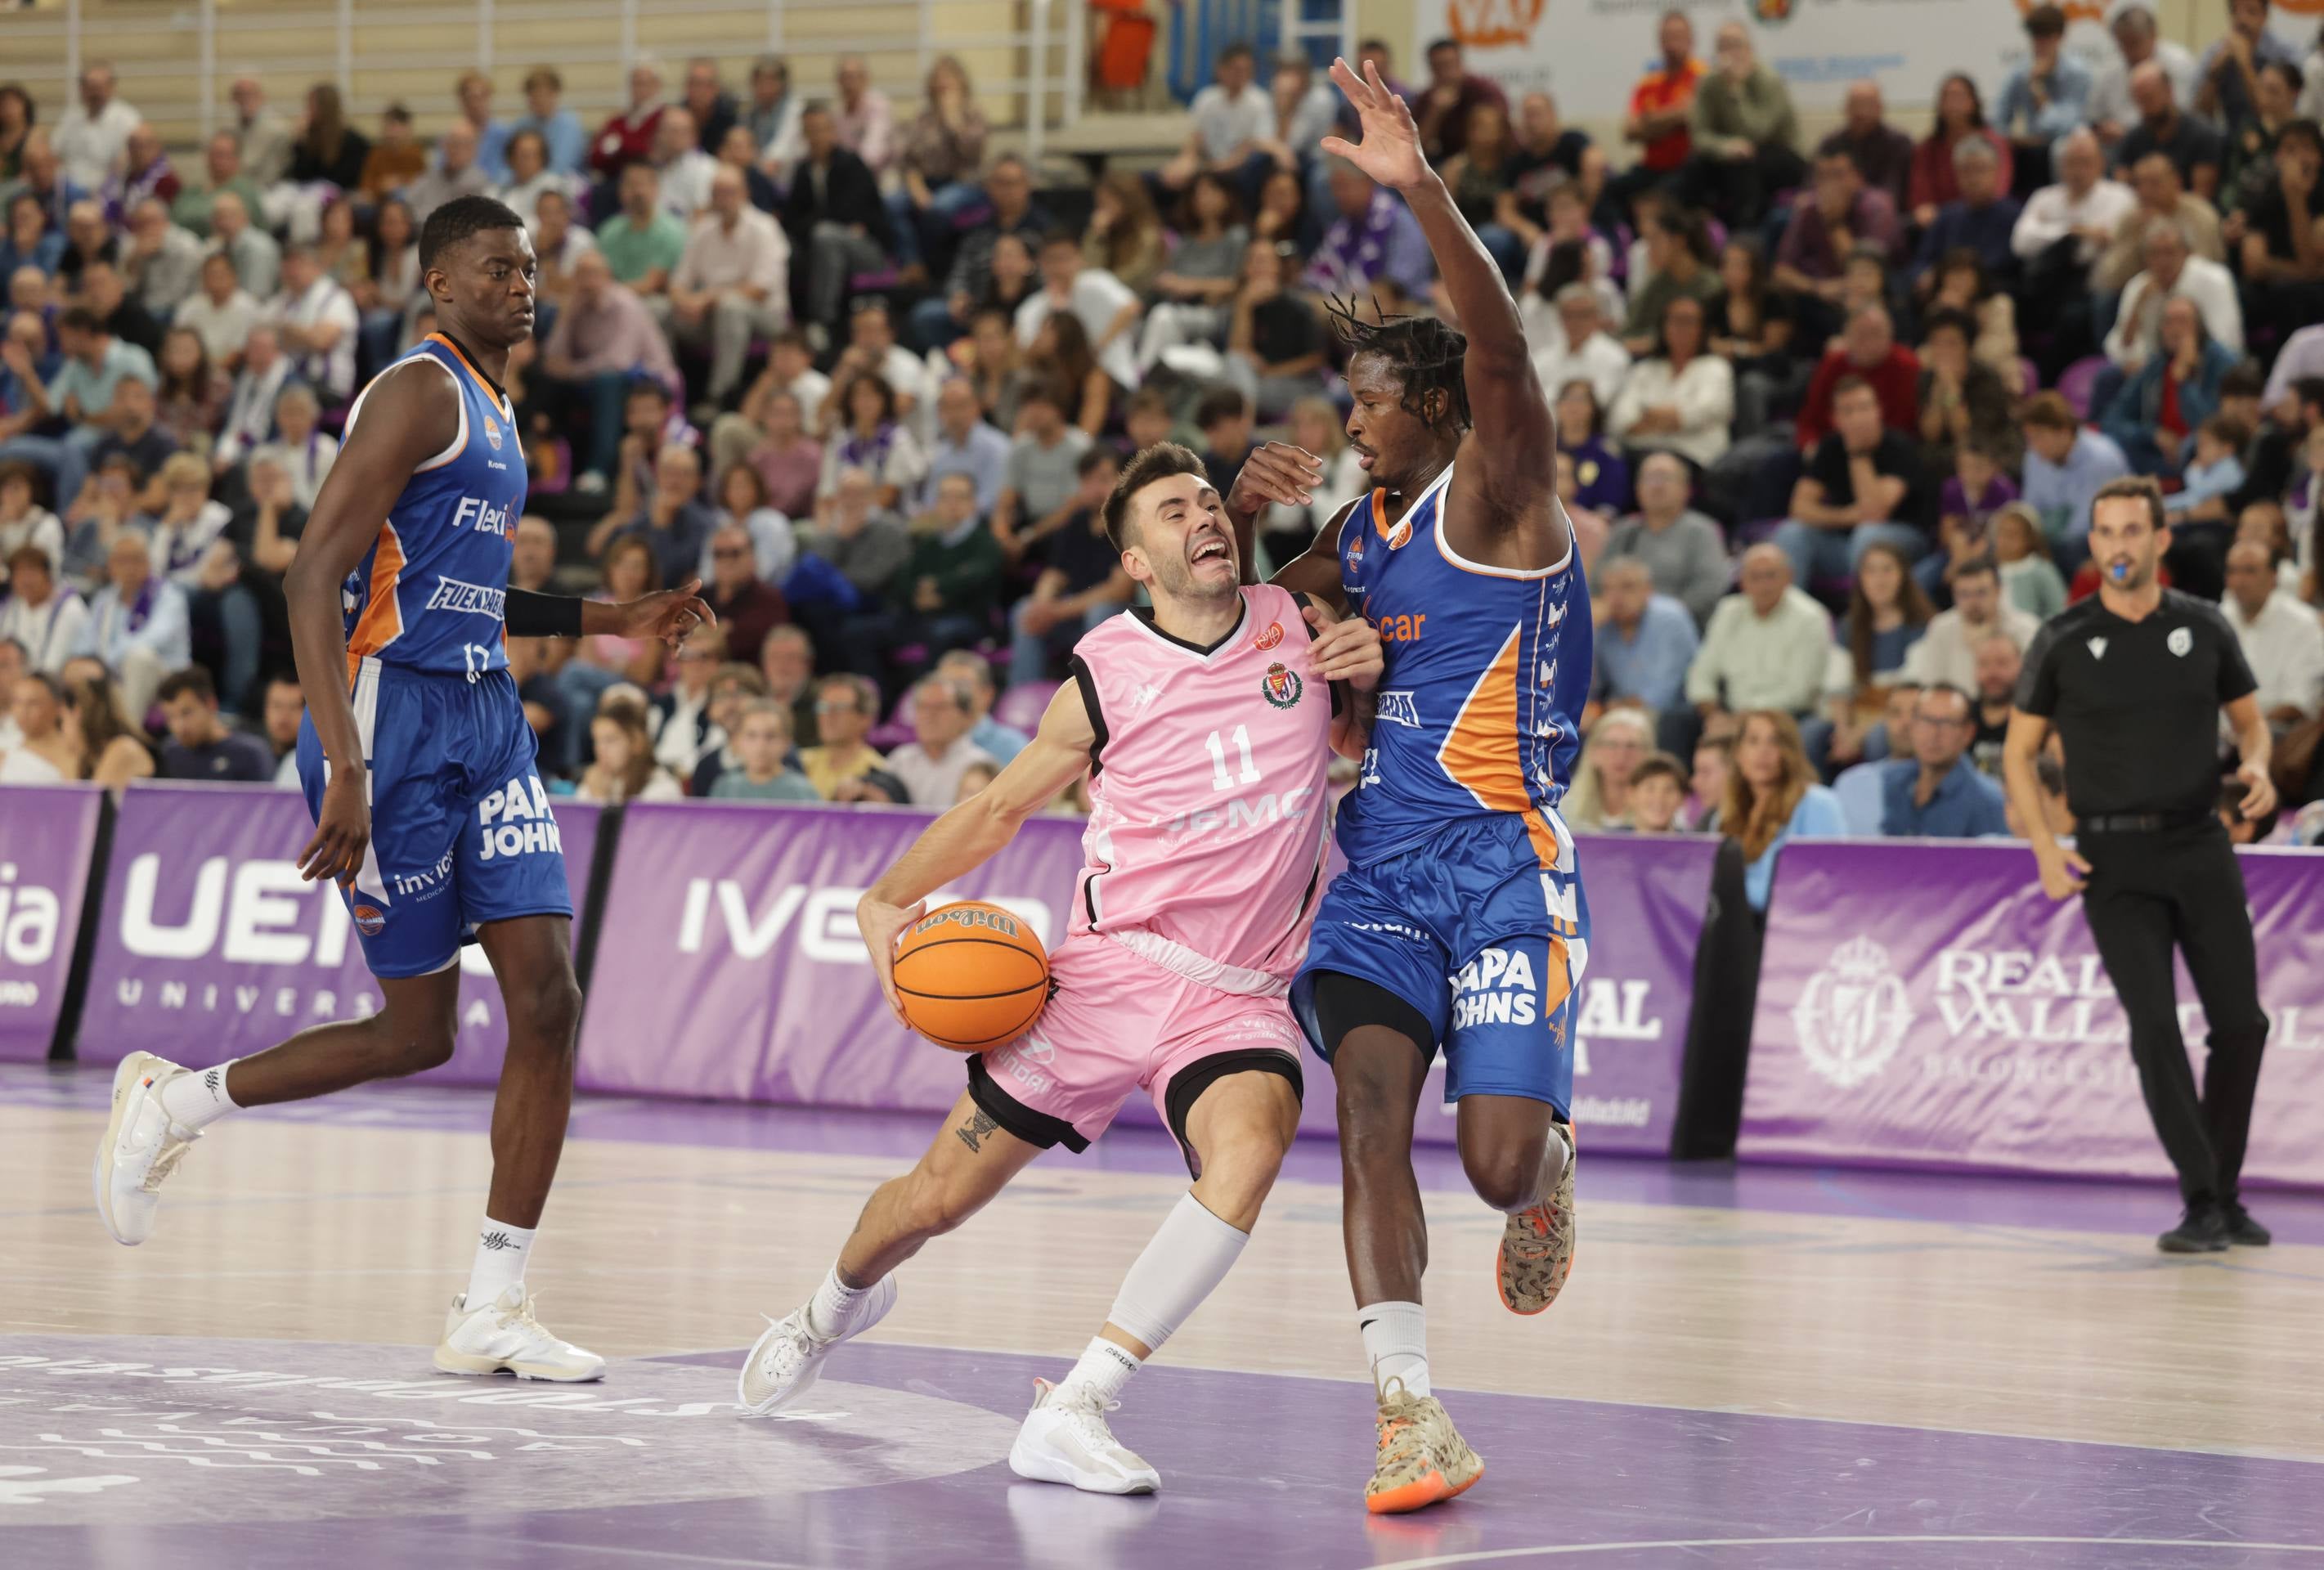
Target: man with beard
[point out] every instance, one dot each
(2134, 678)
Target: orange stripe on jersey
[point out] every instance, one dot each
(382, 622)
(1379, 511)
(1480, 748)
(490, 397)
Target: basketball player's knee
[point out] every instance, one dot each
(1506, 1176)
(546, 1010)
(414, 1047)
(1240, 1171)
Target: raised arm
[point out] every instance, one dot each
(974, 832)
(1513, 430)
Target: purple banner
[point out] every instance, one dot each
(46, 834)
(747, 912)
(1926, 1005)
(211, 947)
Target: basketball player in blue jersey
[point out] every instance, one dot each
(418, 765)
(1460, 923)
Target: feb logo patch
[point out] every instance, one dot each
(2179, 642)
(1356, 551)
(370, 920)
(1281, 686)
(493, 432)
(1269, 639)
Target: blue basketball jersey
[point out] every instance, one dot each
(432, 594)
(1488, 670)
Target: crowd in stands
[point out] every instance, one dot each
(1831, 414)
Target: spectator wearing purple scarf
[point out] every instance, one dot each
(1374, 236)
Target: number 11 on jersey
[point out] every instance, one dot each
(1220, 779)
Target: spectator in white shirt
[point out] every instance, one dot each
(687, 171)
(1768, 646)
(22, 523)
(304, 452)
(1946, 654)
(250, 407)
(2173, 272)
(1680, 399)
(2083, 205)
(731, 283)
(221, 312)
(2109, 109)
(1108, 308)
(48, 620)
(1235, 120)
(931, 765)
(139, 624)
(529, 176)
(316, 319)
(94, 132)
(1579, 348)
(2282, 640)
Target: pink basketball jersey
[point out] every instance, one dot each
(1209, 813)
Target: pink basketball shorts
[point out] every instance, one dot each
(1120, 1022)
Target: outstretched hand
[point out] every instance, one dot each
(1389, 152)
(669, 615)
(1277, 473)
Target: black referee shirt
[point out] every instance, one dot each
(2137, 703)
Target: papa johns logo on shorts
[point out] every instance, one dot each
(1853, 1016)
(1281, 686)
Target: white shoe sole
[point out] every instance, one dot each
(886, 1299)
(132, 1068)
(458, 1363)
(1036, 1467)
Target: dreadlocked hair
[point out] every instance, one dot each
(1426, 353)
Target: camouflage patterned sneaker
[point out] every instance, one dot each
(1536, 1251)
(1422, 1457)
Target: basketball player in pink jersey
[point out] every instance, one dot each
(1206, 727)
(1460, 922)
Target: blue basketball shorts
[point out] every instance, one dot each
(1483, 930)
(460, 827)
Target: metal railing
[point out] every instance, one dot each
(1028, 58)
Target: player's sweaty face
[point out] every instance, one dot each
(1393, 445)
(1186, 539)
(492, 281)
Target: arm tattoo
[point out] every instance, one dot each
(974, 1131)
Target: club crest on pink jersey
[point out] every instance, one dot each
(1281, 685)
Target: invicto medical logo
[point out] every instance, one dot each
(1853, 1016)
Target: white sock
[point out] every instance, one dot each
(1104, 1369)
(1396, 1339)
(1189, 1255)
(833, 1305)
(198, 1096)
(501, 1252)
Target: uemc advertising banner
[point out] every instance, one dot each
(210, 946)
(1928, 1006)
(46, 834)
(729, 966)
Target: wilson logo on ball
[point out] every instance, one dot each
(985, 917)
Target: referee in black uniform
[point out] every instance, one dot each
(2134, 679)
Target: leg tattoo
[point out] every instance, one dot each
(972, 1132)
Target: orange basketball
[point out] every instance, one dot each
(972, 975)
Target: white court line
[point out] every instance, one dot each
(1484, 1556)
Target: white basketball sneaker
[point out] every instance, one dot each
(787, 1358)
(504, 1334)
(1065, 1440)
(141, 1148)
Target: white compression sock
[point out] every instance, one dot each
(1189, 1255)
(501, 1253)
(833, 1304)
(1103, 1368)
(1396, 1339)
(198, 1096)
